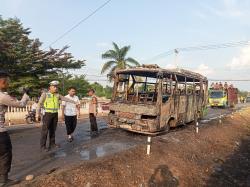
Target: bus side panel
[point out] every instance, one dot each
(182, 108)
(176, 107)
(190, 109)
(198, 103)
(165, 112)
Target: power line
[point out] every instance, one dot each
(161, 55)
(215, 46)
(230, 80)
(199, 47)
(79, 23)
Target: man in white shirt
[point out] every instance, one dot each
(70, 112)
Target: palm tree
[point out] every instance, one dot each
(117, 60)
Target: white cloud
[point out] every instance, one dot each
(204, 70)
(242, 61)
(229, 9)
(170, 66)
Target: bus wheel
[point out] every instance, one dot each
(170, 123)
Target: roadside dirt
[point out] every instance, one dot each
(219, 155)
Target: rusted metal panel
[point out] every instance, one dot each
(182, 104)
(126, 115)
(136, 109)
(190, 109)
(165, 113)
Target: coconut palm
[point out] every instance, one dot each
(117, 60)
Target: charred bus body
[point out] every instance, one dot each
(150, 100)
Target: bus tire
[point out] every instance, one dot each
(171, 123)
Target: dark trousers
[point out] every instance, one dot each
(49, 126)
(93, 124)
(5, 153)
(70, 122)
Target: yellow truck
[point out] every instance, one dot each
(223, 97)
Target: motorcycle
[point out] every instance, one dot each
(31, 117)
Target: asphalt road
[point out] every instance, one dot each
(215, 112)
(27, 158)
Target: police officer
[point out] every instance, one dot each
(50, 103)
(93, 110)
(5, 142)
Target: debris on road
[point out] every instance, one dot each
(29, 177)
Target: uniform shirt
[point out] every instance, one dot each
(93, 105)
(5, 101)
(70, 108)
(43, 98)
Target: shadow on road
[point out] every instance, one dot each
(235, 171)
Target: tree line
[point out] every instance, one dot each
(31, 66)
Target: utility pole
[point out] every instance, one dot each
(63, 84)
(176, 52)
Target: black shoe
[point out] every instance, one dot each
(43, 150)
(70, 139)
(54, 146)
(94, 133)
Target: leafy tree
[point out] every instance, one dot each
(100, 92)
(117, 60)
(28, 64)
(79, 82)
(108, 92)
(243, 93)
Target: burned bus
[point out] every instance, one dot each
(150, 99)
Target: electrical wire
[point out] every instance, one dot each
(79, 23)
(199, 47)
(230, 80)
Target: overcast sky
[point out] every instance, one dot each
(149, 26)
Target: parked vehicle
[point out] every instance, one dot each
(150, 99)
(223, 97)
(248, 99)
(30, 117)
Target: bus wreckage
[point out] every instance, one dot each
(150, 99)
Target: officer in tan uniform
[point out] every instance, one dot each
(5, 142)
(93, 111)
(50, 103)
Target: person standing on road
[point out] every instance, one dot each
(93, 110)
(70, 112)
(50, 103)
(5, 142)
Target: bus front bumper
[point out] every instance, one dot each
(135, 125)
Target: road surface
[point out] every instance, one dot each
(27, 158)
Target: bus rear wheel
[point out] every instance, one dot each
(170, 123)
